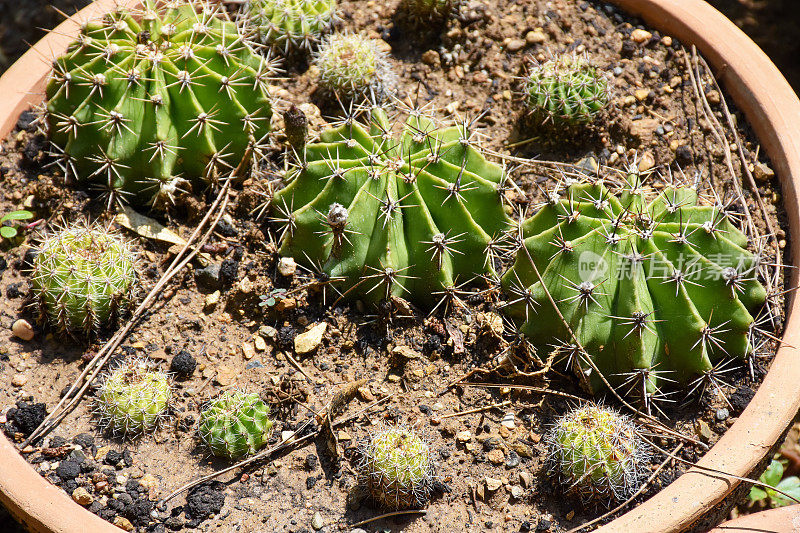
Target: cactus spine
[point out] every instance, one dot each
(133, 398)
(351, 66)
(234, 424)
(146, 102)
(396, 469)
(83, 277)
(290, 24)
(394, 218)
(649, 282)
(597, 454)
(566, 90)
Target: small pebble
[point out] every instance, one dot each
(515, 45)
(19, 380)
(123, 523)
(641, 36)
(22, 329)
(492, 484)
(617, 71)
(287, 266)
(316, 521)
(722, 414)
(82, 497)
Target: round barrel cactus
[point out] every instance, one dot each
(83, 277)
(597, 454)
(396, 469)
(351, 66)
(412, 217)
(566, 90)
(650, 282)
(290, 24)
(426, 11)
(133, 398)
(234, 424)
(147, 101)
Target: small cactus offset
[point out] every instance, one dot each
(410, 218)
(147, 101)
(83, 277)
(650, 283)
(290, 24)
(234, 424)
(396, 469)
(597, 454)
(425, 11)
(133, 398)
(351, 66)
(565, 91)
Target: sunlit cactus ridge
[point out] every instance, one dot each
(146, 101)
(290, 24)
(414, 218)
(652, 285)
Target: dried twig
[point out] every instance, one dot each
(388, 515)
(476, 410)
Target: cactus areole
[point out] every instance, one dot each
(147, 101)
(411, 218)
(658, 287)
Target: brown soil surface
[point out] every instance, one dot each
(469, 67)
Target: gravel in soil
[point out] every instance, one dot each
(209, 329)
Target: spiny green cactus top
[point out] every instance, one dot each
(426, 11)
(598, 453)
(82, 277)
(235, 423)
(663, 285)
(133, 398)
(289, 24)
(412, 218)
(147, 101)
(396, 468)
(566, 90)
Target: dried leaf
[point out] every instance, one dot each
(147, 227)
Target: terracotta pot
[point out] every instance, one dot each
(780, 520)
(771, 107)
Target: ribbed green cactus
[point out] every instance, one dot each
(649, 282)
(83, 277)
(133, 398)
(234, 424)
(290, 24)
(425, 11)
(396, 469)
(566, 90)
(409, 218)
(597, 454)
(147, 101)
(351, 66)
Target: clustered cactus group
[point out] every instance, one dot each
(597, 454)
(133, 398)
(290, 24)
(396, 468)
(234, 424)
(565, 91)
(148, 101)
(392, 217)
(645, 284)
(631, 285)
(82, 278)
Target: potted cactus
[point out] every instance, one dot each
(392, 209)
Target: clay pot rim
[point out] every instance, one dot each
(772, 109)
(780, 520)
